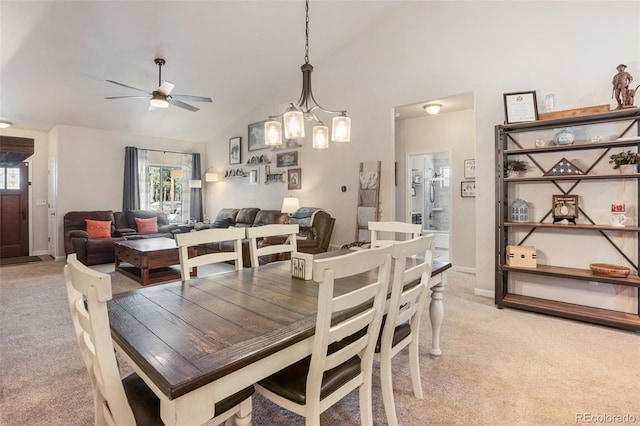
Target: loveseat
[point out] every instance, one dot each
(92, 234)
(311, 239)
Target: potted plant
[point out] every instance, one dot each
(516, 166)
(626, 161)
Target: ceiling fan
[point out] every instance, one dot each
(162, 97)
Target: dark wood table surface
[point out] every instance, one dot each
(198, 344)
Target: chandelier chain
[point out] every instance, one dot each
(306, 33)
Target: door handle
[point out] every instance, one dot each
(24, 213)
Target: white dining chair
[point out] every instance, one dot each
(127, 401)
(257, 247)
(312, 385)
(193, 239)
(385, 228)
(402, 322)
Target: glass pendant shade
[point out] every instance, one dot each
(341, 129)
(272, 133)
(293, 124)
(320, 136)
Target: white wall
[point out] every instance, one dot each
(453, 132)
(37, 189)
(428, 50)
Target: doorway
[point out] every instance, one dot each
(14, 210)
(429, 183)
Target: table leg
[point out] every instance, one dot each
(436, 313)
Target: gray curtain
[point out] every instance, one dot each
(195, 204)
(131, 187)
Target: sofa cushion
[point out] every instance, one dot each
(268, 217)
(147, 226)
(222, 223)
(98, 228)
(246, 216)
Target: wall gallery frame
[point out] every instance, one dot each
(294, 178)
(235, 150)
(256, 136)
(254, 176)
(287, 159)
(468, 188)
(470, 169)
(520, 107)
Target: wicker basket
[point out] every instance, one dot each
(609, 270)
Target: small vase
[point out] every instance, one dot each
(626, 169)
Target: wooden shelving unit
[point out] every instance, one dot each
(508, 144)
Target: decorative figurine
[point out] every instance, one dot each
(621, 83)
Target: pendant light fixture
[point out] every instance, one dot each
(305, 109)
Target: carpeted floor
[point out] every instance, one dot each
(498, 367)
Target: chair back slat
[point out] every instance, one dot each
(199, 238)
(88, 292)
(256, 233)
(384, 228)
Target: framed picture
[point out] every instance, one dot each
(468, 188)
(520, 107)
(470, 169)
(294, 177)
(287, 159)
(254, 176)
(235, 150)
(256, 136)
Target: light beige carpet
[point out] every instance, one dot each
(498, 367)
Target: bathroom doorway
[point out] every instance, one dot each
(429, 182)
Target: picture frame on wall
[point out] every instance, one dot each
(256, 136)
(287, 159)
(470, 169)
(294, 178)
(235, 150)
(520, 107)
(468, 188)
(254, 176)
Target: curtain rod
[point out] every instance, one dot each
(165, 151)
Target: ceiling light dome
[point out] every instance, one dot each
(432, 108)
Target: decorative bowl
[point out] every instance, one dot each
(609, 270)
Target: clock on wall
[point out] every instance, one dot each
(565, 207)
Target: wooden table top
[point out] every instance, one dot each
(185, 337)
(149, 244)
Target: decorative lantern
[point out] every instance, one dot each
(519, 211)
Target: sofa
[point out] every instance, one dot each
(312, 239)
(106, 228)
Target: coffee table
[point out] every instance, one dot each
(150, 260)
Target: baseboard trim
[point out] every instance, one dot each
(464, 269)
(40, 253)
(484, 293)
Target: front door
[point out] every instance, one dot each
(14, 210)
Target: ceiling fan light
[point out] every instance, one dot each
(272, 133)
(293, 123)
(159, 103)
(320, 136)
(5, 124)
(432, 109)
(341, 129)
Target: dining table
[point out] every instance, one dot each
(195, 344)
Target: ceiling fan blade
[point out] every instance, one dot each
(129, 87)
(191, 98)
(166, 88)
(130, 97)
(182, 105)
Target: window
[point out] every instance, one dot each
(9, 178)
(165, 190)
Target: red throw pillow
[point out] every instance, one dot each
(98, 228)
(147, 226)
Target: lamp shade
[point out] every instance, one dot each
(341, 129)
(293, 123)
(290, 205)
(320, 136)
(211, 177)
(273, 133)
(176, 173)
(195, 183)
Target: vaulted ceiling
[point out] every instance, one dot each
(56, 55)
